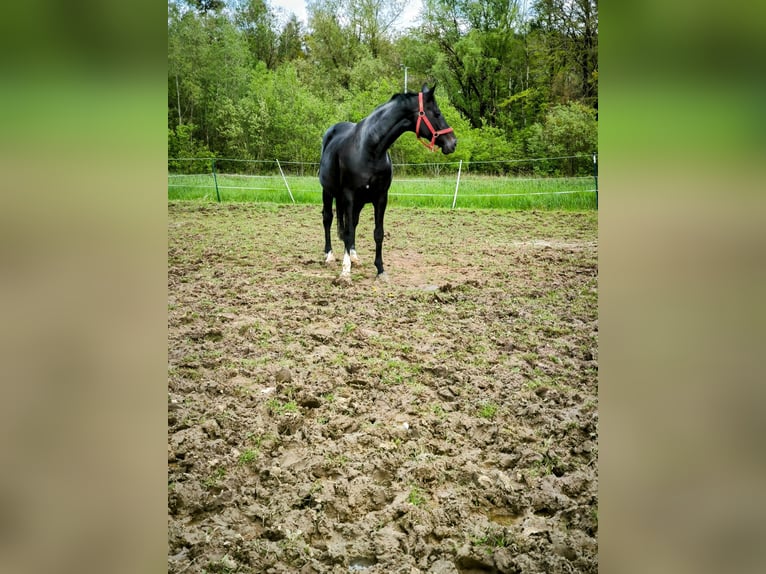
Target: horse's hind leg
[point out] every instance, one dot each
(327, 221)
(352, 251)
(380, 211)
(347, 216)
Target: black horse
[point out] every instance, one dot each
(355, 168)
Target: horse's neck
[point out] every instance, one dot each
(384, 126)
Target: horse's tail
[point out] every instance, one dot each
(328, 135)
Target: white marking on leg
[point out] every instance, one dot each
(354, 256)
(346, 264)
(330, 257)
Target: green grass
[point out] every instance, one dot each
(213, 480)
(276, 407)
(487, 410)
(416, 497)
(497, 540)
(248, 456)
(475, 191)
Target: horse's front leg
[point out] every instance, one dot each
(380, 210)
(327, 221)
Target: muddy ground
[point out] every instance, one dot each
(443, 422)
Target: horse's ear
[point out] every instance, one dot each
(427, 90)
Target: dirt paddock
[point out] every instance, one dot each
(443, 422)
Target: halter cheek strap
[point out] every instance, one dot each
(424, 118)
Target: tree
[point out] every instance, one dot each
(566, 35)
(208, 63)
(290, 46)
(192, 153)
(567, 130)
(205, 6)
(256, 21)
(372, 21)
(479, 54)
(333, 48)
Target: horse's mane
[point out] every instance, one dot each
(394, 98)
(400, 96)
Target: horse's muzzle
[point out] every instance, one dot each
(448, 144)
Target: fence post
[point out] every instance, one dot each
(457, 184)
(595, 176)
(215, 179)
(285, 180)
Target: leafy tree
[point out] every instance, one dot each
(372, 21)
(566, 37)
(569, 129)
(333, 48)
(290, 45)
(257, 23)
(185, 154)
(208, 62)
(205, 6)
(479, 53)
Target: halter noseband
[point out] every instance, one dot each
(423, 117)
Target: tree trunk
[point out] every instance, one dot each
(178, 99)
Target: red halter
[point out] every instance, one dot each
(423, 117)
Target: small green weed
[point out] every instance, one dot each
(416, 497)
(277, 407)
(416, 388)
(248, 456)
(547, 463)
(213, 480)
(491, 541)
(488, 410)
(339, 460)
(439, 411)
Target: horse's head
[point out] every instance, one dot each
(431, 125)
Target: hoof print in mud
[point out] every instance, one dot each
(283, 376)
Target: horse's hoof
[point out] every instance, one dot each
(343, 280)
(382, 277)
(330, 258)
(354, 258)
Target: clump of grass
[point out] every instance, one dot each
(488, 410)
(416, 497)
(338, 460)
(213, 480)
(492, 541)
(276, 407)
(248, 456)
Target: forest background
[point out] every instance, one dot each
(515, 78)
